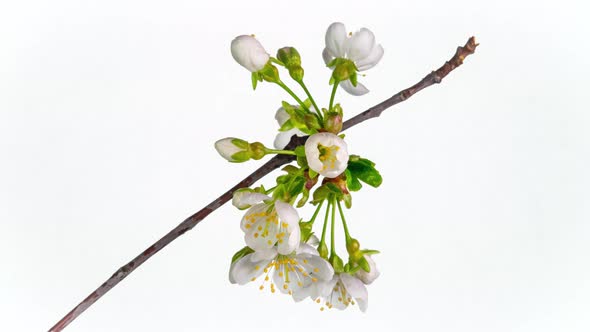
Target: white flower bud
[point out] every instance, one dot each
(368, 277)
(326, 154)
(249, 53)
(233, 149)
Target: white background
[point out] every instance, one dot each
(109, 111)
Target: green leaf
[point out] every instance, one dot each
(312, 173)
(241, 253)
(352, 182)
(363, 170)
(304, 198)
(347, 200)
(291, 169)
(296, 186)
(254, 78)
(320, 194)
(288, 125)
(300, 151)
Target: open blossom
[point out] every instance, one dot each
(289, 273)
(359, 47)
(265, 225)
(326, 154)
(341, 291)
(368, 277)
(284, 137)
(249, 53)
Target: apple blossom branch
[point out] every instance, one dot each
(274, 163)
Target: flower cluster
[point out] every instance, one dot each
(282, 251)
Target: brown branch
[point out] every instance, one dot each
(272, 164)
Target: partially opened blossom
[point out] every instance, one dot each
(244, 198)
(248, 52)
(341, 291)
(326, 154)
(283, 137)
(368, 277)
(359, 47)
(289, 273)
(265, 225)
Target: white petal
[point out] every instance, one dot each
(245, 199)
(336, 39)
(359, 46)
(313, 240)
(368, 277)
(325, 288)
(262, 235)
(244, 270)
(249, 217)
(288, 214)
(320, 268)
(249, 53)
(305, 248)
(356, 289)
(283, 138)
(289, 245)
(264, 255)
(282, 116)
(371, 60)
(357, 90)
(327, 56)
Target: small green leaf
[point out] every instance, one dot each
(300, 151)
(364, 264)
(254, 80)
(291, 169)
(241, 253)
(296, 186)
(304, 198)
(347, 200)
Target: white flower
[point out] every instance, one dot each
(244, 198)
(249, 53)
(343, 290)
(368, 277)
(230, 148)
(265, 225)
(359, 47)
(289, 273)
(284, 137)
(326, 154)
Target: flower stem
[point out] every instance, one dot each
(317, 109)
(332, 242)
(343, 222)
(323, 240)
(287, 152)
(333, 94)
(292, 94)
(317, 211)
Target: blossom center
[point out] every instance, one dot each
(328, 156)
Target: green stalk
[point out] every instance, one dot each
(317, 211)
(323, 240)
(317, 109)
(332, 242)
(333, 94)
(290, 92)
(343, 222)
(288, 152)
